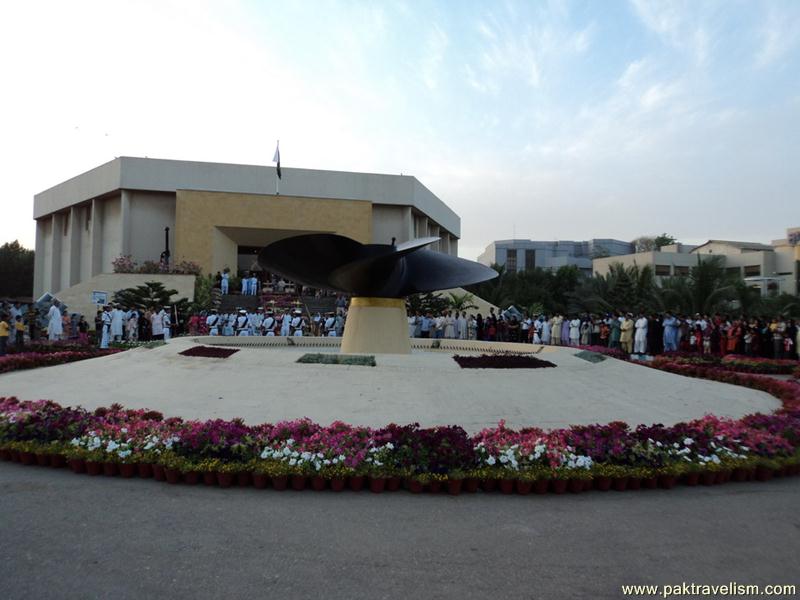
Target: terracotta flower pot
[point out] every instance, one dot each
(93, 467)
(42, 459)
(172, 475)
(5, 454)
(244, 478)
(158, 473)
(144, 470)
(280, 482)
(127, 470)
(506, 486)
(692, 478)
(559, 486)
(588, 485)
(739, 475)
(620, 484)
(524, 487)
(15, 455)
(650, 483)
(191, 477)
(763, 473)
(723, 476)
(454, 486)
(489, 485)
(602, 484)
(634, 483)
(393, 484)
(224, 480)
(470, 485)
(540, 486)
(58, 461)
(667, 482)
(298, 482)
(414, 486)
(377, 484)
(575, 486)
(110, 469)
(77, 465)
(435, 486)
(337, 484)
(27, 458)
(708, 477)
(260, 481)
(209, 478)
(318, 483)
(356, 483)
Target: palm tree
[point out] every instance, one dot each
(145, 297)
(461, 302)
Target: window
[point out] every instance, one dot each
(662, 271)
(681, 271)
(530, 259)
(752, 271)
(511, 261)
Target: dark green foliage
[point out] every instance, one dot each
(525, 289)
(337, 359)
(16, 271)
(148, 296)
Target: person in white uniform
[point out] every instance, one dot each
(286, 323)
(225, 282)
(212, 322)
(55, 327)
(640, 338)
(166, 322)
(297, 324)
(330, 325)
(268, 325)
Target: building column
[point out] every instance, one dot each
(74, 244)
(96, 234)
(453, 245)
(408, 225)
(39, 284)
(55, 253)
(125, 221)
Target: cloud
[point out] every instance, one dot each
(778, 36)
(435, 48)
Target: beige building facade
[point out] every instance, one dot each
(773, 268)
(218, 215)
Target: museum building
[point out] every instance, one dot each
(218, 215)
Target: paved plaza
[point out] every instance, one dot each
(75, 536)
(267, 385)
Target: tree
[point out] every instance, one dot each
(649, 244)
(461, 302)
(16, 270)
(145, 297)
(425, 303)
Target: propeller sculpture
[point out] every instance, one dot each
(378, 276)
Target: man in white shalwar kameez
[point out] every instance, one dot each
(286, 323)
(55, 327)
(166, 322)
(574, 331)
(105, 334)
(157, 325)
(117, 317)
(461, 326)
(640, 338)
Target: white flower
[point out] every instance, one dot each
(293, 461)
(688, 441)
(490, 461)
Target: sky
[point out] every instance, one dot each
(537, 120)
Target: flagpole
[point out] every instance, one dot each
(277, 177)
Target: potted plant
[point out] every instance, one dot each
(208, 468)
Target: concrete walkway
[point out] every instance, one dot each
(263, 384)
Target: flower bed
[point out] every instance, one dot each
(732, 362)
(32, 360)
(501, 361)
(209, 352)
(301, 453)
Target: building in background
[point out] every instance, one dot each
(773, 268)
(519, 255)
(218, 215)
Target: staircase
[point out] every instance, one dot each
(230, 303)
(322, 305)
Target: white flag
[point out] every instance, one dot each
(277, 158)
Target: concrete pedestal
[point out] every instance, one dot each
(376, 326)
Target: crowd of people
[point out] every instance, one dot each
(22, 323)
(650, 334)
(267, 322)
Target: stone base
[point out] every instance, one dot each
(376, 326)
